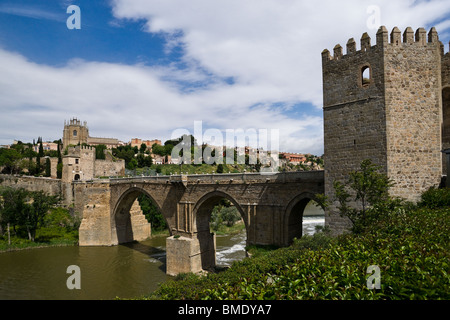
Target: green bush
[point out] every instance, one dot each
(435, 198)
(224, 215)
(411, 248)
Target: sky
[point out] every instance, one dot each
(149, 68)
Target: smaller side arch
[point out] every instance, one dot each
(293, 216)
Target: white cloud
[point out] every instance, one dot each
(245, 64)
(31, 12)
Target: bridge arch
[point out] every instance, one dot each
(293, 226)
(202, 217)
(128, 222)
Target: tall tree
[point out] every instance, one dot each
(48, 167)
(142, 148)
(41, 148)
(60, 165)
(12, 208)
(100, 152)
(9, 159)
(39, 155)
(34, 212)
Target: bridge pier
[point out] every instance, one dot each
(185, 254)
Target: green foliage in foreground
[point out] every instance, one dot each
(411, 248)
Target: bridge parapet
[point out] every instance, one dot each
(225, 178)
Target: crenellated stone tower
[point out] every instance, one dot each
(387, 102)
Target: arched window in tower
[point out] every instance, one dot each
(75, 133)
(366, 76)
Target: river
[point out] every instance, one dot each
(123, 271)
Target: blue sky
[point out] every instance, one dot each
(144, 68)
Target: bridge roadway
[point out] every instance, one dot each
(271, 207)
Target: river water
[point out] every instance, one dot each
(123, 271)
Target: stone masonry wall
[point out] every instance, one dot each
(48, 185)
(354, 115)
(413, 95)
(393, 117)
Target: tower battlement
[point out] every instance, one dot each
(383, 40)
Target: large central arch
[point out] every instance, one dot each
(202, 216)
(128, 222)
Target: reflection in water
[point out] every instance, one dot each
(106, 272)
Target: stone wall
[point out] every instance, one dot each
(48, 185)
(413, 119)
(354, 115)
(109, 168)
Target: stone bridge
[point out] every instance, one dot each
(271, 207)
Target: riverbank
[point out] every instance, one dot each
(43, 240)
(410, 248)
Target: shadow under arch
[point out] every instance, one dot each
(128, 222)
(202, 217)
(293, 218)
(445, 126)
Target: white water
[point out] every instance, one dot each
(225, 255)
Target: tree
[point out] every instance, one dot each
(143, 160)
(59, 166)
(41, 148)
(100, 152)
(124, 152)
(369, 189)
(142, 148)
(158, 149)
(224, 213)
(39, 156)
(132, 164)
(47, 167)
(152, 213)
(34, 212)
(13, 203)
(9, 160)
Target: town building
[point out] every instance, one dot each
(80, 163)
(77, 133)
(136, 142)
(46, 146)
(293, 158)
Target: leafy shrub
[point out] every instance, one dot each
(435, 198)
(224, 215)
(411, 248)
